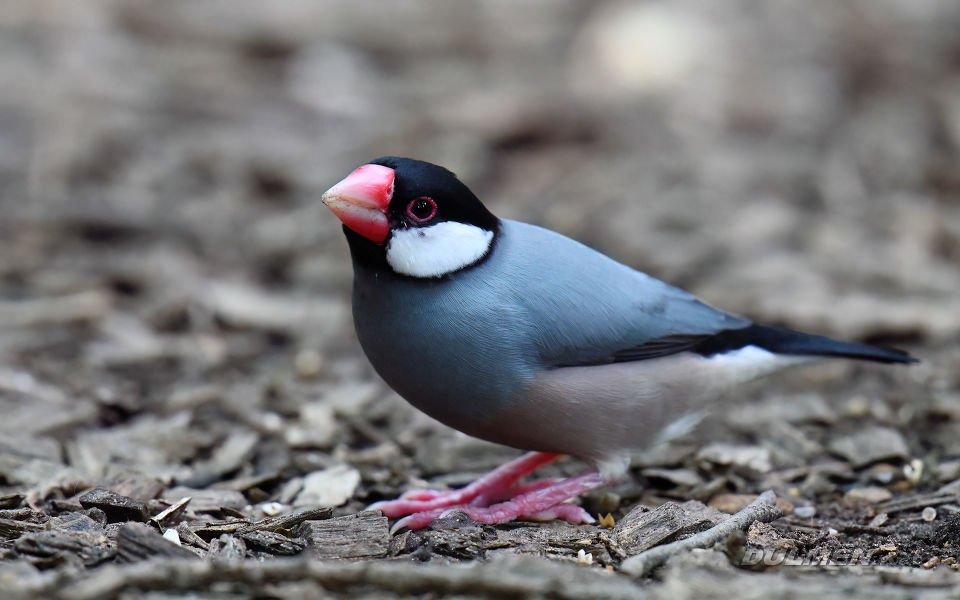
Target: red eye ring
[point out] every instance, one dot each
(422, 209)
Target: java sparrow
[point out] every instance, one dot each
(518, 335)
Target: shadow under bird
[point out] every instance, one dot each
(518, 335)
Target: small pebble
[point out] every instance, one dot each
(805, 512)
(929, 514)
(308, 363)
(271, 422)
(913, 471)
(272, 509)
(880, 520)
(866, 496)
(858, 406)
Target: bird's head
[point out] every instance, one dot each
(416, 216)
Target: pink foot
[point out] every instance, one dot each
(540, 503)
(493, 486)
(515, 490)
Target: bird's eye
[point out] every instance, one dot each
(422, 209)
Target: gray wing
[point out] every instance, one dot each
(590, 309)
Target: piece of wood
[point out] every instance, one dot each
(136, 542)
(273, 543)
(763, 509)
(117, 508)
(171, 512)
(91, 548)
(289, 523)
(363, 535)
(643, 528)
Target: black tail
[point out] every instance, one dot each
(787, 341)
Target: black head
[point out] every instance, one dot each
(425, 194)
(413, 216)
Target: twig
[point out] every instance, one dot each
(903, 504)
(278, 524)
(171, 511)
(762, 509)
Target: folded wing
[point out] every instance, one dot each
(591, 309)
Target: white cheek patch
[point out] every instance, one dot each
(437, 250)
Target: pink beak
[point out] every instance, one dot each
(361, 201)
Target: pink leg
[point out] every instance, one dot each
(537, 504)
(493, 486)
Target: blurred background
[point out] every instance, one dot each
(170, 282)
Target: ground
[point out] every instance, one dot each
(174, 300)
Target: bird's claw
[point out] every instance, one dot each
(417, 501)
(422, 495)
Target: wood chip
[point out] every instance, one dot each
(289, 523)
(138, 487)
(207, 500)
(229, 548)
(78, 521)
(363, 535)
(171, 512)
(10, 500)
(750, 460)
(763, 509)
(117, 508)
(273, 543)
(188, 536)
(229, 454)
(866, 496)
(137, 542)
(643, 528)
(82, 306)
(329, 487)
(915, 502)
(11, 529)
(870, 445)
(215, 530)
(90, 548)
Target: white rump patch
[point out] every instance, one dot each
(437, 250)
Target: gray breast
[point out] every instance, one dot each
(447, 346)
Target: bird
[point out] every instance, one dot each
(518, 335)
